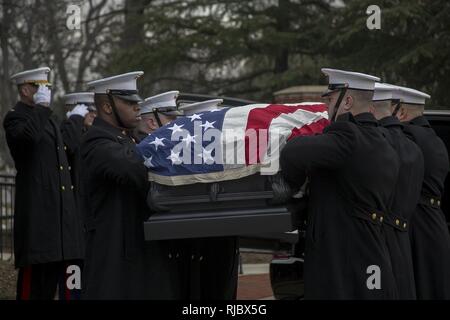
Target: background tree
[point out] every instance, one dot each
(246, 49)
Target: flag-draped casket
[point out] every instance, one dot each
(216, 173)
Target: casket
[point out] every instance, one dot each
(254, 205)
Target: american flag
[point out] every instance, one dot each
(227, 143)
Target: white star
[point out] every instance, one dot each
(175, 128)
(208, 125)
(195, 117)
(206, 155)
(189, 139)
(148, 162)
(174, 157)
(157, 142)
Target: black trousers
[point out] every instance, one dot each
(40, 281)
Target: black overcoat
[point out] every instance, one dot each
(404, 202)
(350, 189)
(430, 238)
(47, 226)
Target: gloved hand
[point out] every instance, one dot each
(79, 109)
(152, 202)
(42, 96)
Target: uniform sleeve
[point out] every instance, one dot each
(72, 130)
(26, 127)
(116, 162)
(329, 150)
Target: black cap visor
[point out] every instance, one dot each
(127, 95)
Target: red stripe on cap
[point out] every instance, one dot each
(26, 283)
(261, 118)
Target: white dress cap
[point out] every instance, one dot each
(338, 79)
(203, 106)
(79, 98)
(411, 96)
(164, 102)
(124, 86)
(35, 76)
(385, 91)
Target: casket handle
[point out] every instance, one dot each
(214, 191)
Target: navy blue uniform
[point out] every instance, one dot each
(350, 189)
(430, 238)
(407, 195)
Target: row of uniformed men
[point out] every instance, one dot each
(383, 197)
(81, 192)
(376, 175)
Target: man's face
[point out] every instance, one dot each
(128, 112)
(331, 100)
(27, 91)
(151, 124)
(165, 118)
(89, 118)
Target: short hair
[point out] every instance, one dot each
(414, 106)
(361, 96)
(100, 99)
(384, 104)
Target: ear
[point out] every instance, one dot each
(24, 90)
(402, 114)
(106, 108)
(152, 123)
(348, 103)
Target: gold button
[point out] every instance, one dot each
(439, 202)
(432, 201)
(374, 216)
(70, 168)
(71, 187)
(65, 148)
(404, 225)
(63, 188)
(381, 219)
(397, 222)
(61, 168)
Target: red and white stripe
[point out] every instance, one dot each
(289, 120)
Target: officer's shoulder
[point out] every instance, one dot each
(341, 127)
(14, 113)
(412, 132)
(96, 134)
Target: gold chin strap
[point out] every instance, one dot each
(38, 82)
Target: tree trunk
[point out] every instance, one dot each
(282, 25)
(5, 86)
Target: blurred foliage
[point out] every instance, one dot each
(250, 49)
(412, 48)
(245, 49)
(238, 48)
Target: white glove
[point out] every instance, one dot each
(42, 96)
(79, 109)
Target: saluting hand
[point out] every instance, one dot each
(42, 96)
(79, 109)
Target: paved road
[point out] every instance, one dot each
(254, 283)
